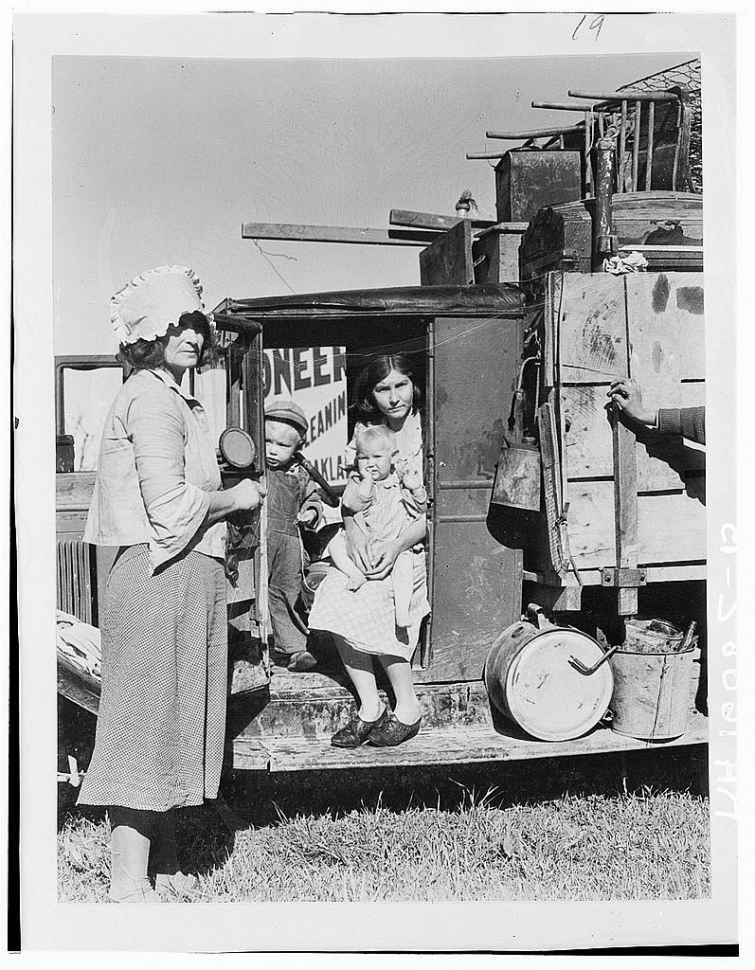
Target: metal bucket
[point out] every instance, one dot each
(517, 478)
(651, 699)
(530, 680)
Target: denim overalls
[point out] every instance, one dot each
(286, 494)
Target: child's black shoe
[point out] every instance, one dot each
(357, 731)
(393, 732)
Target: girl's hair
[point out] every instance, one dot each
(376, 371)
(370, 432)
(148, 354)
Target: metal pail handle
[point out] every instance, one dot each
(578, 665)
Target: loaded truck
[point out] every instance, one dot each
(566, 545)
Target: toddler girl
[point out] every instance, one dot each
(384, 499)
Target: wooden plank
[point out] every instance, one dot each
(559, 551)
(455, 747)
(429, 220)
(636, 146)
(649, 149)
(250, 755)
(671, 526)
(496, 257)
(505, 228)
(680, 572)
(70, 523)
(317, 705)
(663, 461)
(73, 490)
(554, 283)
(77, 685)
(592, 328)
(553, 598)
(448, 261)
(335, 234)
(625, 509)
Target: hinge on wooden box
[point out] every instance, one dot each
(623, 576)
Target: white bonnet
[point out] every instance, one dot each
(144, 308)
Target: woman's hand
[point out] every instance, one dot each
(384, 555)
(247, 495)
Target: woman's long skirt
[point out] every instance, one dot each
(161, 723)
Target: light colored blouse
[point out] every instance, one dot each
(156, 465)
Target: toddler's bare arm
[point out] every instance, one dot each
(358, 493)
(414, 492)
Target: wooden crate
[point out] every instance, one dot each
(668, 225)
(525, 181)
(495, 253)
(598, 328)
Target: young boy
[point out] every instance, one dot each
(383, 501)
(292, 500)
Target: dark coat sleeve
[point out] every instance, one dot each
(689, 422)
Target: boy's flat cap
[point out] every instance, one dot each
(282, 409)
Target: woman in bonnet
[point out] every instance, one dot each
(158, 497)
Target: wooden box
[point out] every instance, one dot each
(496, 253)
(587, 321)
(666, 226)
(525, 181)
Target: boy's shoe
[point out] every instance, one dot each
(358, 731)
(393, 732)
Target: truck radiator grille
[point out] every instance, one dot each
(74, 578)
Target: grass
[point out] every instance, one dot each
(430, 838)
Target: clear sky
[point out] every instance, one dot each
(160, 160)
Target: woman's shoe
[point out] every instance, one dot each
(393, 732)
(177, 885)
(142, 893)
(357, 731)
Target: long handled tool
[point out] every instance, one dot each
(306, 464)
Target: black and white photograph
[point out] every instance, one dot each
(380, 542)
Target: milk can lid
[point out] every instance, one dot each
(547, 696)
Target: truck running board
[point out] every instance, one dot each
(440, 747)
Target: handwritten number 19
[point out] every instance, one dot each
(595, 24)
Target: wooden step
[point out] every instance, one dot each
(466, 745)
(316, 704)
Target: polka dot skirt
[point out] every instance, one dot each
(161, 724)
